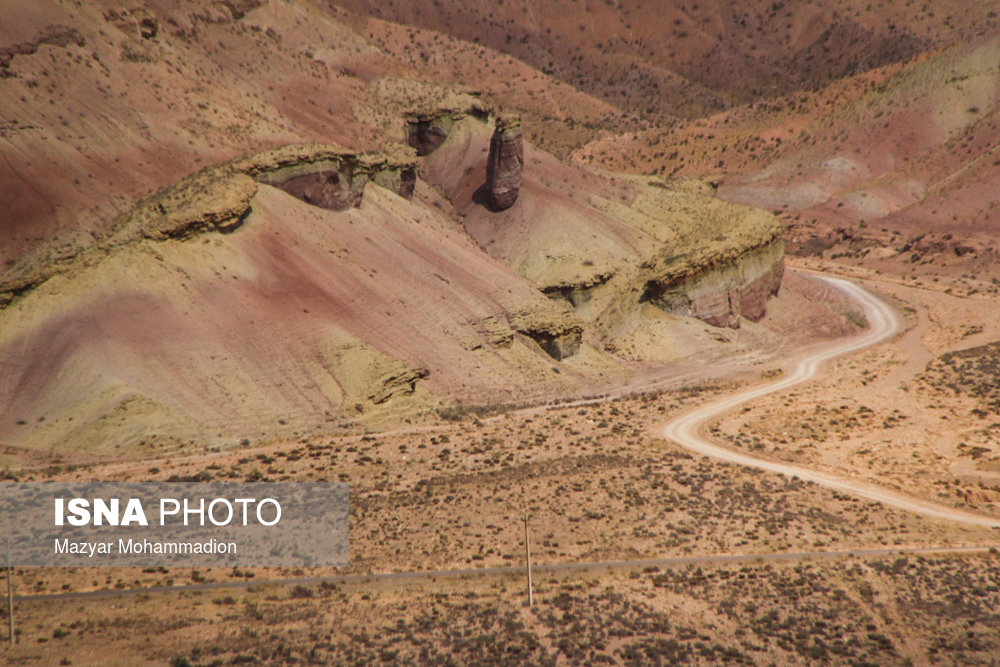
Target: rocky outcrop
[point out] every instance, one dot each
(426, 134)
(331, 186)
(138, 20)
(558, 344)
(496, 331)
(53, 35)
(721, 295)
(579, 292)
(401, 179)
(703, 258)
(398, 379)
(505, 163)
(184, 212)
(239, 8)
(218, 198)
(328, 176)
(556, 330)
(428, 129)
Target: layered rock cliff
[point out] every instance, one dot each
(556, 330)
(218, 197)
(721, 295)
(427, 129)
(329, 177)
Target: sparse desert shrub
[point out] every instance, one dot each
(299, 592)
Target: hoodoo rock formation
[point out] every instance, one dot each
(505, 163)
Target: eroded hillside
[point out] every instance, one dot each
(331, 262)
(679, 58)
(893, 170)
(516, 273)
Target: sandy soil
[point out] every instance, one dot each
(874, 419)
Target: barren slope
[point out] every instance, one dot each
(297, 315)
(249, 313)
(896, 169)
(89, 126)
(660, 60)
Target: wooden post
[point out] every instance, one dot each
(527, 558)
(10, 593)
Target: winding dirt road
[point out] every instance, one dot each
(688, 429)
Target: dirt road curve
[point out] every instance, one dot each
(686, 430)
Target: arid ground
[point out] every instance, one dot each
(170, 310)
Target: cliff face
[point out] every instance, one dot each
(721, 295)
(556, 329)
(328, 176)
(329, 184)
(428, 129)
(426, 134)
(505, 164)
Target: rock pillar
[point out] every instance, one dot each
(504, 165)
